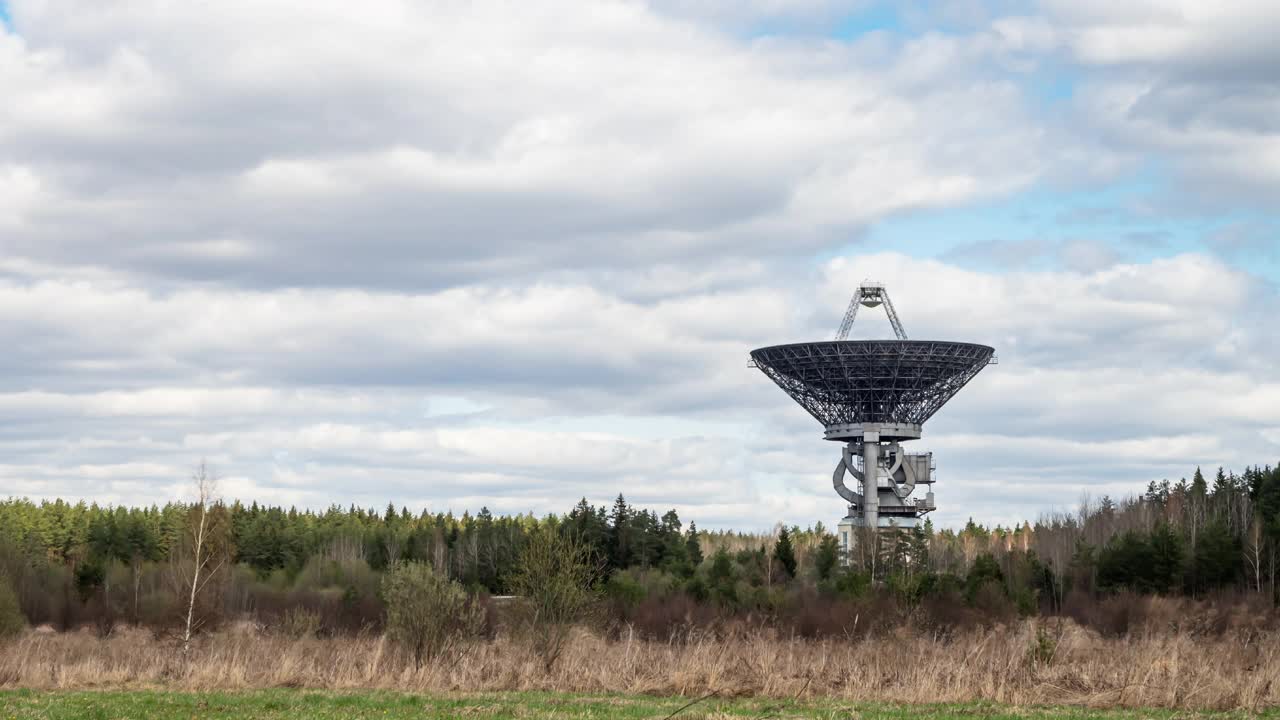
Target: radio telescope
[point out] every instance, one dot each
(873, 395)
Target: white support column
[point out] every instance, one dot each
(870, 483)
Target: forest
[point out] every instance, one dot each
(71, 564)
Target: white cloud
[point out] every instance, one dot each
(414, 146)
(431, 255)
(1190, 83)
(1108, 379)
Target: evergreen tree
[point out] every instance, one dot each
(1129, 561)
(826, 557)
(1222, 486)
(784, 554)
(591, 526)
(1167, 559)
(646, 539)
(1199, 488)
(693, 545)
(1216, 559)
(1153, 495)
(670, 524)
(1083, 566)
(675, 554)
(621, 545)
(985, 571)
(720, 577)
(1107, 506)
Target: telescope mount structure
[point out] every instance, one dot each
(873, 395)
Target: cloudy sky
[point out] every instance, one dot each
(462, 254)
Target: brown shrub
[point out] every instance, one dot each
(946, 614)
(673, 618)
(1113, 616)
(811, 615)
(336, 612)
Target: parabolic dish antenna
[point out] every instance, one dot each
(871, 395)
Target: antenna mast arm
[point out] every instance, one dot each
(893, 316)
(849, 316)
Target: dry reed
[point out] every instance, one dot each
(1017, 665)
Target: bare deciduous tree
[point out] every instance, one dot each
(1253, 543)
(199, 560)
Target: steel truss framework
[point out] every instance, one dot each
(870, 294)
(872, 381)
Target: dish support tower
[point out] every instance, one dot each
(886, 493)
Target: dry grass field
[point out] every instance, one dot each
(1022, 665)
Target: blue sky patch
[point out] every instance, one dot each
(1035, 229)
(880, 17)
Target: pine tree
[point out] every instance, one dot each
(620, 535)
(645, 538)
(720, 576)
(784, 554)
(1216, 558)
(591, 526)
(1167, 558)
(1221, 485)
(1153, 494)
(1199, 488)
(1107, 506)
(671, 523)
(693, 545)
(827, 556)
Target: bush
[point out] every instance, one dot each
(1112, 616)
(851, 584)
(813, 615)
(299, 623)
(941, 585)
(985, 571)
(943, 613)
(721, 578)
(1043, 647)
(342, 594)
(427, 614)
(12, 620)
(1026, 600)
(697, 589)
(673, 618)
(555, 581)
(992, 602)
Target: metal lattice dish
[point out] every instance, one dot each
(872, 381)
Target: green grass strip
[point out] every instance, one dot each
(313, 705)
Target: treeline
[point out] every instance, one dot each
(477, 550)
(70, 563)
(75, 564)
(1190, 537)
(1217, 545)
